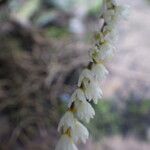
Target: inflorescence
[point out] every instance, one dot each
(88, 89)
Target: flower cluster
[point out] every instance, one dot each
(79, 108)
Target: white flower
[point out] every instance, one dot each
(122, 11)
(101, 37)
(110, 34)
(77, 95)
(113, 15)
(79, 132)
(99, 71)
(108, 15)
(84, 111)
(86, 73)
(65, 143)
(92, 91)
(67, 121)
(105, 52)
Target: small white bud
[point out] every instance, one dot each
(105, 52)
(108, 15)
(110, 34)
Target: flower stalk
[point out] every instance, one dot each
(88, 88)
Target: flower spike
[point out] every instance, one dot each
(79, 108)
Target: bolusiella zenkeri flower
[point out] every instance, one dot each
(86, 74)
(109, 15)
(84, 110)
(78, 95)
(99, 71)
(110, 34)
(88, 80)
(65, 143)
(92, 90)
(102, 53)
(79, 132)
(67, 121)
(80, 106)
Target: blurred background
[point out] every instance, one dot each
(44, 45)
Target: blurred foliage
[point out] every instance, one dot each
(70, 5)
(106, 120)
(135, 118)
(109, 119)
(33, 72)
(56, 32)
(26, 10)
(46, 12)
(25, 106)
(29, 105)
